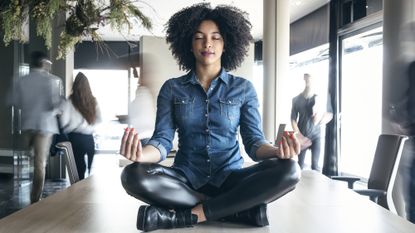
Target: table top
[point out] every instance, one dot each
(100, 204)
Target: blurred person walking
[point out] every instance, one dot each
(308, 115)
(142, 110)
(401, 114)
(80, 114)
(38, 95)
(411, 132)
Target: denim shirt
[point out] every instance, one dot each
(207, 124)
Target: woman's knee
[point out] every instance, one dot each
(293, 170)
(286, 170)
(134, 178)
(157, 185)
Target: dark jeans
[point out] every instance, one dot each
(263, 182)
(315, 154)
(82, 144)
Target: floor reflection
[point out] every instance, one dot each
(15, 188)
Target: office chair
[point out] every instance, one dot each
(383, 172)
(69, 161)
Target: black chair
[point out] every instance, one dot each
(383, 172)
(69, 161)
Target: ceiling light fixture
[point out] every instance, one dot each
(297, 3)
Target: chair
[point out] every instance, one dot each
(383, 172)
(69, 161)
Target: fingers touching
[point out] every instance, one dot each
(123, 141)
(289, 146)
(130, 145)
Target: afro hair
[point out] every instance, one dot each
(233, 25)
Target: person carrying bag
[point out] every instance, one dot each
(57, 138)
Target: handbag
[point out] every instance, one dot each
(57, 138)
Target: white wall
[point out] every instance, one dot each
(156, 56)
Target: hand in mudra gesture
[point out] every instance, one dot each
(131, 147)
(289, 147)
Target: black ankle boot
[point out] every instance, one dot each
(256, 216)
(151, 218)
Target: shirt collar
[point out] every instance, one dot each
(37, 70)
(191, 77)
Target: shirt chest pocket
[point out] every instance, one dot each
(183, 107)
(230, 108)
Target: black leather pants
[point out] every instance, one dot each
(163, 186)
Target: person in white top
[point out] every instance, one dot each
(80, 114)
(38, 96)
(142, 115)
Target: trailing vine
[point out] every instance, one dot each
(10, 18)
(83, 19)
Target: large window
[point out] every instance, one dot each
(315, 62)
(360, 101)
(113, 90)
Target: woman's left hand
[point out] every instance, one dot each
(289, 147)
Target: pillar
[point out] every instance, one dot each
(276, 41)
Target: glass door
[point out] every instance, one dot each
(15, 158)
(23, 166)
(7, 119)
(360, 100)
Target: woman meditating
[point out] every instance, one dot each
(206, 107)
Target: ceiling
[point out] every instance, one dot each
(160, 11)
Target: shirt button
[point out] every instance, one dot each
(182, 101)
(206, 115)
(208, 160)
(207, 130)
(208, 176)
(207, 147)
(207, 101)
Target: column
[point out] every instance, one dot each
(62, 68)
(276, 41)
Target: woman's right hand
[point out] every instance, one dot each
(131, 147)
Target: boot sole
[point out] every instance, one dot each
(262, 218)
(141, 218)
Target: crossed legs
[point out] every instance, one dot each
(166, 187)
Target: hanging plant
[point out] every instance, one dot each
(43, 13)
(84, 19)
(10, 18)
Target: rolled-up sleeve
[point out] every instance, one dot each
(250, 124)
(165, 127)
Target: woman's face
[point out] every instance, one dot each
(207, 44)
